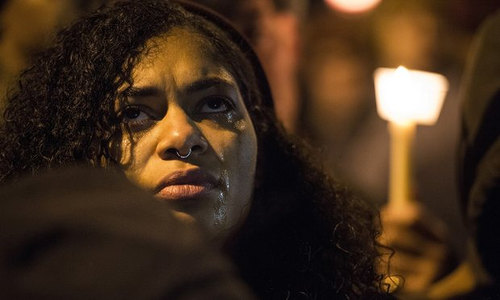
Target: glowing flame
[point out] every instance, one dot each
(409, 96)
(353, 6)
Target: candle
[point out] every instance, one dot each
(353, 6)
(406, 98)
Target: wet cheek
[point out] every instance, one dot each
(244, 176)
(247, 157)
(240, 125)
(224, 138)
(235, 147)
(247, 142)
(237, 151)
(220, 205)
(240, 153)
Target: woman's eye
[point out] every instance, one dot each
(215, 105)
(133, 114)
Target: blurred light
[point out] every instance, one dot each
(353, 6)
(405, 96)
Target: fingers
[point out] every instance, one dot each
(413, 217)
(419, 240)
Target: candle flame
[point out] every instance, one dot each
(405, 96)
(353, 6)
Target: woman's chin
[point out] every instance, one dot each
(184, 217)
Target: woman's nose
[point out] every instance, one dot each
(180, 137)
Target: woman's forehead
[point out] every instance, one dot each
(179, 59)
(181, 46)
(185, 39)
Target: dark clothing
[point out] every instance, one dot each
(491, 292)
(89, 234)
(480, 148)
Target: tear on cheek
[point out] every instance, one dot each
(240, 125)
(220, 209)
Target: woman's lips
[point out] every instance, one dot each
(182, 191)
(185, 184)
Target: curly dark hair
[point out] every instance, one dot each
(305, 236)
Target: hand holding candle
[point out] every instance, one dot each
(405, 98)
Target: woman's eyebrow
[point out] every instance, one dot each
(199, 85)
(206, 83)
(146, 91)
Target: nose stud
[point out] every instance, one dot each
(183, 156)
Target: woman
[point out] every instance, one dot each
(175, 98)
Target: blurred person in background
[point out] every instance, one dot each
(478, 277)
(28, 26)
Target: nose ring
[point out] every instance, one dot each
(183, 156)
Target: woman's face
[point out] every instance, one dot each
(184, 101)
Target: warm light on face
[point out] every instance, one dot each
(405, 96)
(353, 6)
